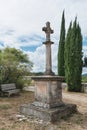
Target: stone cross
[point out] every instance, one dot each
(48, 43)
(48, 104)
(48, 31)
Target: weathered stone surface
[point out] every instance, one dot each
(48, 43)
(48, 91)
(51, 115)
(48, 103)
(48, 31)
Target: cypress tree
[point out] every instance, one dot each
(61, 69)
(73, 64)
(67, 55)
(85, 61)
(72, 58)
(78, 59)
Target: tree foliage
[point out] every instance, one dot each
(85, 61)
(61, 69)
(73, 57)
(67, 55)
(14, 64)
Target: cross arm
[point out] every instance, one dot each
(44, 29)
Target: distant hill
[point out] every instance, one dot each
(84, 74)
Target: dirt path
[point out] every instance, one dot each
(80, 99)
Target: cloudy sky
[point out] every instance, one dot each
(21, 23)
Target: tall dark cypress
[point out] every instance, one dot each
(61, 69)
(78, 61)
(73, 65)
(67, 55)
(85, 61)
(72, 54)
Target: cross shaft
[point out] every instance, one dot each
(48, 43)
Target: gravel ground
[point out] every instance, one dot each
(10, 118)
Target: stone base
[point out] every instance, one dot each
(51, 115)
(48, 91)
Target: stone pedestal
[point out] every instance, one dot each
(48, 103)
(48, 91)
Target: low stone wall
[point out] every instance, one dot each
(29, 88)
(84, 87)
(64, 87)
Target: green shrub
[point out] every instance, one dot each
(84, 78)
(20, 83)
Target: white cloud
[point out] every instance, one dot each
(85, 50)
(20, 18)
(27, 16)
(38, 58)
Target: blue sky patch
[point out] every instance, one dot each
(28, 48)
(85, 41)
(28, 38)
(2, 43)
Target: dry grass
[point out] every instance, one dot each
(9, 108)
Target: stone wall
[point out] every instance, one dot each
(84, 87)
(64, 87)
